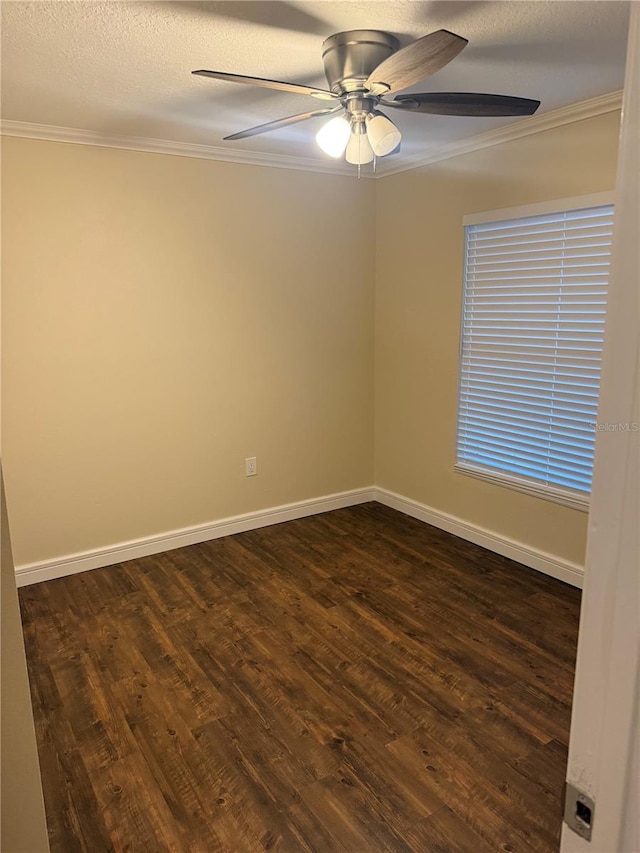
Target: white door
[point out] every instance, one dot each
(603, 752)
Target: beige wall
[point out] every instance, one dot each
(23, 827)
(164, 318)
(418, 301)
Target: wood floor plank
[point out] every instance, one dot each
(254, 795)
(435, 833)
(497, 804)
(351, 816)
(353, 682)
(134, 811)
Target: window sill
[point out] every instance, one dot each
(518, 484)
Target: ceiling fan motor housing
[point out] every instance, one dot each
(350, 57)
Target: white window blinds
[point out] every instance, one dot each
(533, 324)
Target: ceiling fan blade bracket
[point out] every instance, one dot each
(406, 103)
(379, 89)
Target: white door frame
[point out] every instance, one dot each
(603, 752)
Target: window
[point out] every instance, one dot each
(535, 287)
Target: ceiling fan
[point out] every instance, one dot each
(364, 67)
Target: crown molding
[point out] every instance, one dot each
(527, 127)
(536, 124)
(77, 136)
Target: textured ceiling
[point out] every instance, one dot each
(123, 68)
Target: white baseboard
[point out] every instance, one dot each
(564, 570)
(82, 562)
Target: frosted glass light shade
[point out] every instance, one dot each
(333, 136)
(383, 135)
(358, 149)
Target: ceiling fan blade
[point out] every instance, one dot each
(281, 122)
(464, 104)
(415, 62)
(298, 88)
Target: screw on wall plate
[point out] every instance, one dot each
(579, 811)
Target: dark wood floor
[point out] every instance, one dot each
(356, 681)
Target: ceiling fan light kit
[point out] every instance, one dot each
(359, 151)
(362, 67)
(333, 136)
(384, 136)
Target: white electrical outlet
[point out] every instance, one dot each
(251, 466)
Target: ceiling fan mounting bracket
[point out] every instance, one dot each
(351, 56)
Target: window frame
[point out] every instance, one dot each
(555, 494)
